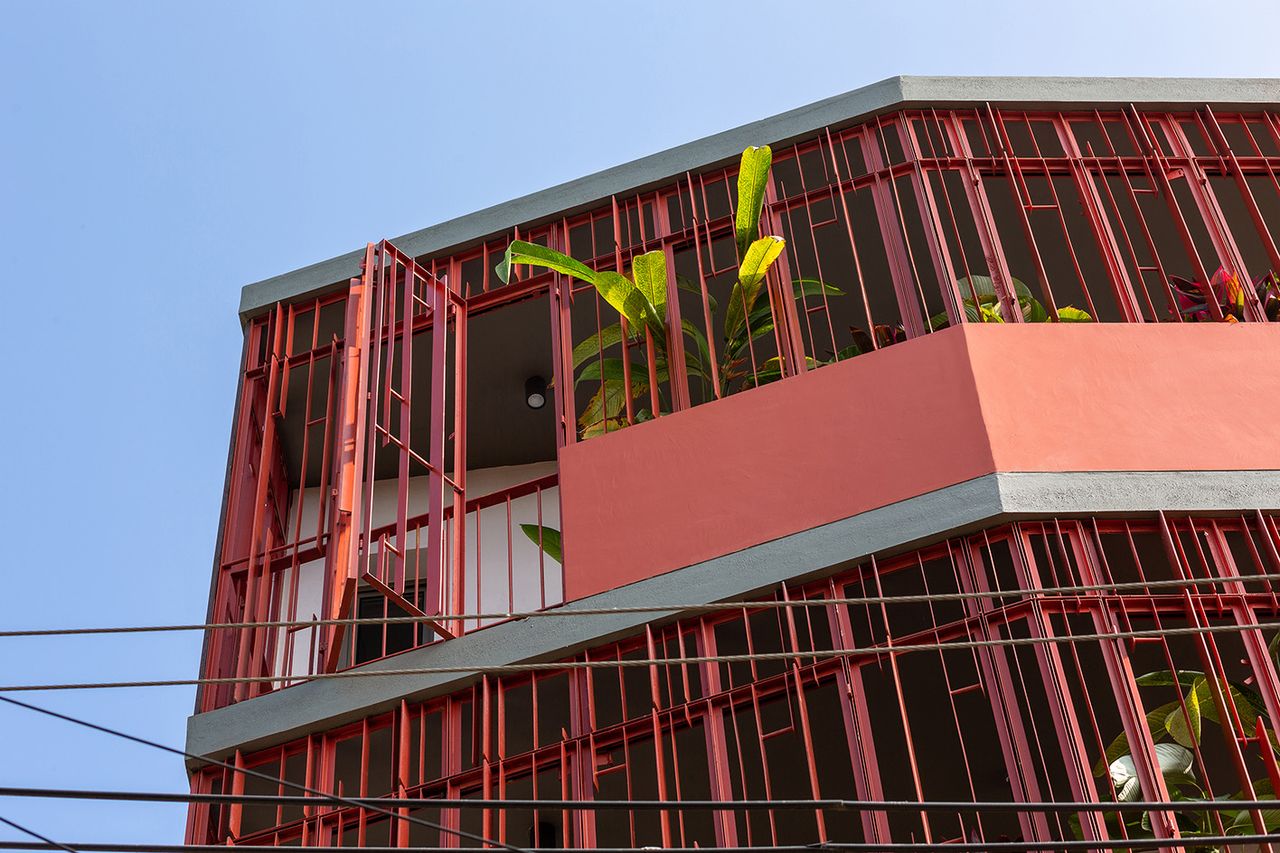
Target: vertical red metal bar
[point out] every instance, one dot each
(459, 562)
(933, 230)
(435, 478)
(894, 243)
(256, 577)
(988, 231)
(342, 557)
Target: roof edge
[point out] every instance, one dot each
(892, 92)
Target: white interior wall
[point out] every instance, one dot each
(534, 580)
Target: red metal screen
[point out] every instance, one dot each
(1008, 667)
(894, 227)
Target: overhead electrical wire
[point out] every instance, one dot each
(611, 663)
(1056, 806)
(314, 792)
(889, 847)
(851, 846)
(49, 843)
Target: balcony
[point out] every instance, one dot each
(386, 463)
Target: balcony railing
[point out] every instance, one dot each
(356, 402)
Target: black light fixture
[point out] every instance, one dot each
(535, 392)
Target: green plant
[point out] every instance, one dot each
(640, 297)
(546, 538)
(1176, 729)
(982, 305)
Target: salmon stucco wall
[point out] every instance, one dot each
(1117, 397)
(907, 420)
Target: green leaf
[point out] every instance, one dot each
(1167, 678)
(753, 177)
(531, 254)
(759, 257)
(602, 427)
(984, 287)
(981, 286)
(814, 287)
(1243, 823)
(627, 300)
(607, 368)
(1033, 311)
(547, 538)
(688, 286)
(1120, 746)
(1067, 314)
(650, 273)
(700, 341)
(592, 346)
(610, 399)
(1185, 727)
(760, 322)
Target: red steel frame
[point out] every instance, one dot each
(1091, 208)
(1000, 723)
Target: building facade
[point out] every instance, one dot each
(963, 527)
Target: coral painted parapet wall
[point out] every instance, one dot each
(916, 417)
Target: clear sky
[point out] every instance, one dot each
(155, 157)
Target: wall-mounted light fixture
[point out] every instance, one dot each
(535, 392)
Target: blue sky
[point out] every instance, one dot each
(155, 157)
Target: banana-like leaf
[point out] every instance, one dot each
(985, 288)
(687, 285)
(592, 346)
(700, 341)
(620, 292)
(1120, 746)
(759, 321)
(610, 399)
(771, 371)
(650, 273)
(531, 254)
(548, 538)
(1068, 314)
(759, 257)
(1167, 678)
(753, 177)
(607, 368)
(1243, 823)
(814, 287)
(601, 427)
(1185, 727)
(1175, 762)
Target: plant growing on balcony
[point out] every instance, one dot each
(546, 538)
(982, 305)
(640, 297)
(1176, 728)
(1224, 289)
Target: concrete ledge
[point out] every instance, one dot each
(981, 502)
(647, 172)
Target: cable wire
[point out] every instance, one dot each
(556, 666)
(852, 846)
(562, 611)
(52, 845)
(315, 792)
(655, 805)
